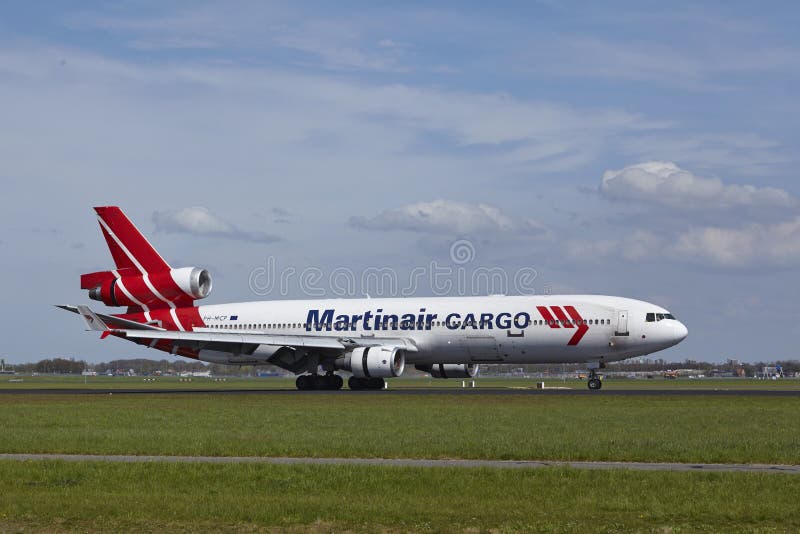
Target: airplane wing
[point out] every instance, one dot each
(199, 339)
(237, 342)
(286, 351)
(195, 338)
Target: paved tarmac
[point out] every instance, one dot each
(411, 462)
(411, 391)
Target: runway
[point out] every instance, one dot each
(412, 462)
(409, 391)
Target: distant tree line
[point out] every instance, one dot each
(61, 366)
(142, 366)
(750, 369)
(646, 365)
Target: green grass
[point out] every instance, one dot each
(68, 382)
(87, 497)
(52, 496)
(171, 382)
(624, 428)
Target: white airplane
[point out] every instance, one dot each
(372, 339)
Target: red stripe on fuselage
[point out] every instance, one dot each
(565, 322)
(581, 322)
(189, 317)
(548, 317)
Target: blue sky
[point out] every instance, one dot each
(638, 149)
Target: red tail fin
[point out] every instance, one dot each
(142, 281)
(129, 248)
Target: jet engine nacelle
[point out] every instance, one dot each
(450, 370)
(179, 286)
(373, 362)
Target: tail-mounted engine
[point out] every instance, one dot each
(373, 362)
(450, 370)
(129, 287)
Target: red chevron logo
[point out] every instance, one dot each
(562, 321)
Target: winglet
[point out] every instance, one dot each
(92, 320)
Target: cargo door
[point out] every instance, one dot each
(482, 348)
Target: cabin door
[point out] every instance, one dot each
(622, 323)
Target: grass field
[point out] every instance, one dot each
(87, 497)
(661, 428)
(91, 496)
(611, 384)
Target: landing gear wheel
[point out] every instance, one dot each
(338, 382)
(355, 383)
(377, 383)
(319, 382)
(304, 382)
(595, 383)
(329, 382)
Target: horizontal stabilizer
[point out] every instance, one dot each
(114, 321)
(92, 320)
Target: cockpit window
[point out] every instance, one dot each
(653, 317)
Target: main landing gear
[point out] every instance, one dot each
(333, 382)
(594, 381)
(355, 383)
(330, 382)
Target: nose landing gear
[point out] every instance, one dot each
(594, 380)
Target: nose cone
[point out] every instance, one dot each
(679, 332)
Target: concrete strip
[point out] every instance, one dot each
(412, 462)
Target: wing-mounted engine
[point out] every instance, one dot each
(450, 370)
(373, 362)
(129, 287)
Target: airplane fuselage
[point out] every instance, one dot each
(491, 329)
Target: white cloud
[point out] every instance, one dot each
(450, 217)
(200, 221)
(771, 245)
(666, 184)
(640, 245)
(755, 245)
(378, 119)
(740, 236)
